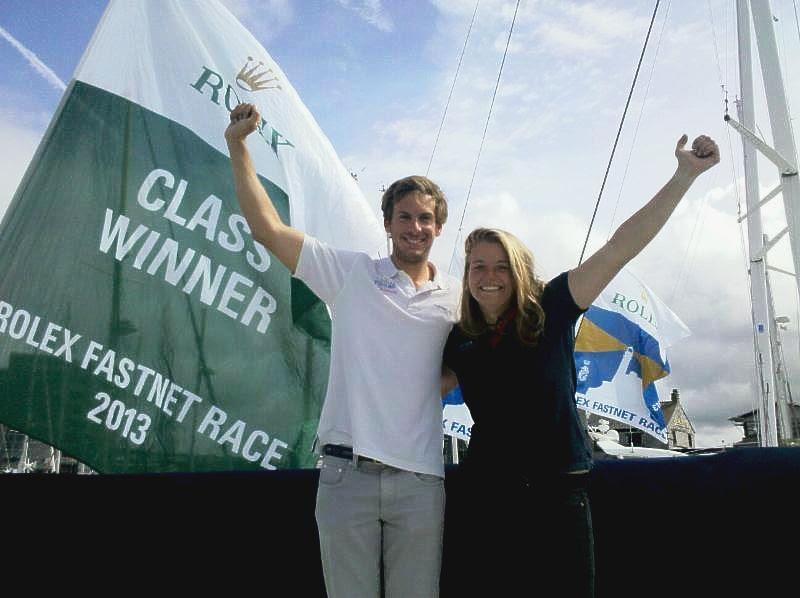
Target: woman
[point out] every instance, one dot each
(512, 354)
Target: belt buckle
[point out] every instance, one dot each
(341, 451)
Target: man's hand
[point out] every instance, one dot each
(244, 120)
(694, 162)
(256, 206)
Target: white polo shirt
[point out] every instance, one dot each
(384, 393)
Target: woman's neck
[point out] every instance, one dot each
(492, 319)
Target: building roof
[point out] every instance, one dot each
(752, 414)
(673, 409)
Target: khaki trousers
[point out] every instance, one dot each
(371, 514)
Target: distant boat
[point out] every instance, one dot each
(605, 441)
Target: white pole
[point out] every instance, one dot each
(758, 289)
(783, 139)
(781, 383)
(22, 464)
(784, 145)
(55, 460)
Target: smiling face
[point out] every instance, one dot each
(489, 279)
(413, 228)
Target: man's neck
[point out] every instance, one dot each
(418, 272)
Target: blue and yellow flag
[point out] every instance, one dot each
(620, 353)
(456, 418)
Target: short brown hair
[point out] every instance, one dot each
(414, 184)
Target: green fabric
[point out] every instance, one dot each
(88, 176)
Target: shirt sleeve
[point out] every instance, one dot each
(558, 301)
(448, 356)
(323, 268)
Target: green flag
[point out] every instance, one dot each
(141, 326)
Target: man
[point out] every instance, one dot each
(381, 490)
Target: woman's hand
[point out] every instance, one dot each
(694, 162)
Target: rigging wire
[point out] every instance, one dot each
(755, 379)
(485, 129)
(452, 87)
(687, 257)
(730, 148)
(639, 121)
(716, 45)
(725, 37)
(796, 20)
(779, 32)
(691, 246)
(619, 131)
(780, 46)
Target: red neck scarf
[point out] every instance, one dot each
(499, 329)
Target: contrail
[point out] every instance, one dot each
(40, 67)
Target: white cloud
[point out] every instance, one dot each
(605, 22)
(717, 435)
(460, 10)
(19, 145)
(586, 28)
(264, 18)
(405, 133)
(564, 39)
(371, 11)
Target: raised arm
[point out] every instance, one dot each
(266, 226)
(590, 278)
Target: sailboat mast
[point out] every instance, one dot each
(758, 288)
(781, 382)
(784, 145)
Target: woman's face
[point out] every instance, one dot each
(489, 279)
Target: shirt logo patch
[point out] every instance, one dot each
(385, 284)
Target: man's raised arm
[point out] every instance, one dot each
(266, 226)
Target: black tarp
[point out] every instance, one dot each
(715, 525)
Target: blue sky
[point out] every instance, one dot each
(376, 75)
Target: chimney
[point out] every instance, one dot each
(675, 396)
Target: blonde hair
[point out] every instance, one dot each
(528, 287)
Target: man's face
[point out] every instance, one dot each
(413, 228)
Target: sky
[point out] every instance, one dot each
(377, 75)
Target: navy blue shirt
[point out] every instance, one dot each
(522, 398)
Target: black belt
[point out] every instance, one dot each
(344, 452)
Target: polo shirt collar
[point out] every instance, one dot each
(386, 267)
(439, 281)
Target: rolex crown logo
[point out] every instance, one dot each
(256, 77)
